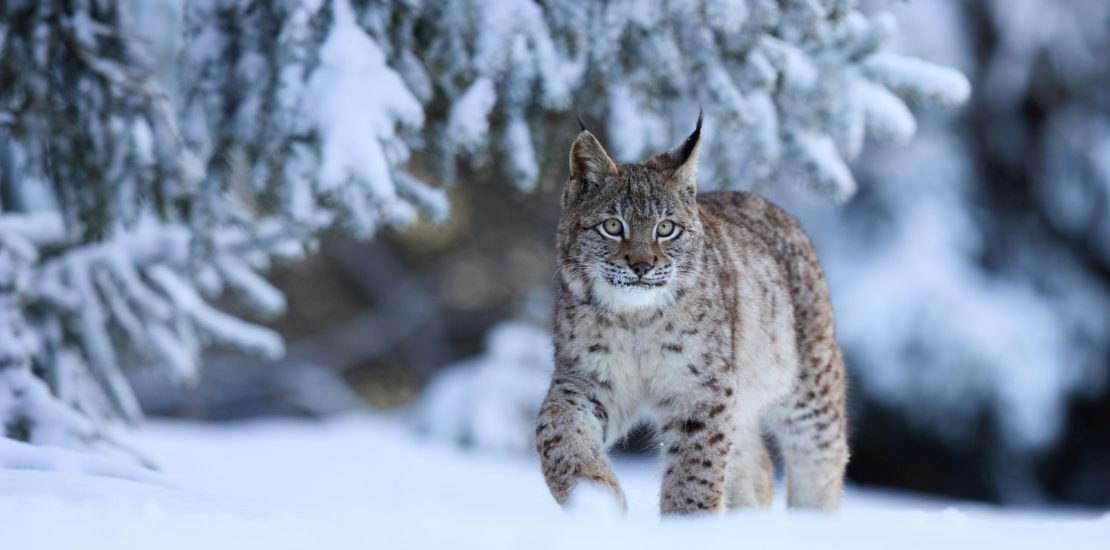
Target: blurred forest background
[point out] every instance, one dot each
(970, 268)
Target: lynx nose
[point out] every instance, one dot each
(640, 263)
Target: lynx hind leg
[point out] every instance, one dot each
(751, 475)
(814, 451)
(811, 431)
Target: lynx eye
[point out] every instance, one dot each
(664, 229)
(613, 227)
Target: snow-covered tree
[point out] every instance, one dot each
(133, 196)
(979, 252)
(107, 253)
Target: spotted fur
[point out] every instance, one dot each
(727, 339)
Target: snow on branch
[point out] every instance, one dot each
(919, 80)
(765, 72)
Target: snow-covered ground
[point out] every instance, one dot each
(368, 482)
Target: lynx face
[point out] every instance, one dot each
(635, 233)
(629, 233)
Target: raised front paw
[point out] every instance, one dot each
(572, 480)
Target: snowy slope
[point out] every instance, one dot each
(366, 482)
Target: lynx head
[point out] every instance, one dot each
(629, 234)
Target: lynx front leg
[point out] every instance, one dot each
(696, 449)
(569, 439)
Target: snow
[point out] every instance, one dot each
(354, 100)
(888, 118)
(919, 80)
(221, 326)
(263, 296)
(366, 481)
(822, 166)
(633, 136)
(35, 227)
(963, 341)
(468, 122)
(517, 144)
(727, 16)
(490, 402)
(17, 456)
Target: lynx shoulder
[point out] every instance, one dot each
(705, 314)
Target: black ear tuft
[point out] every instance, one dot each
(684, 159)
(679, 166)
(581, 125)
(682, 154)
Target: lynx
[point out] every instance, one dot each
(705, 314)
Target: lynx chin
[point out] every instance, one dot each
(708, 315)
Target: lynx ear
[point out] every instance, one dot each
(589, 165)
(588, 159)
(681, 163)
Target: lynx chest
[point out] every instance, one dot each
(647, 361)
